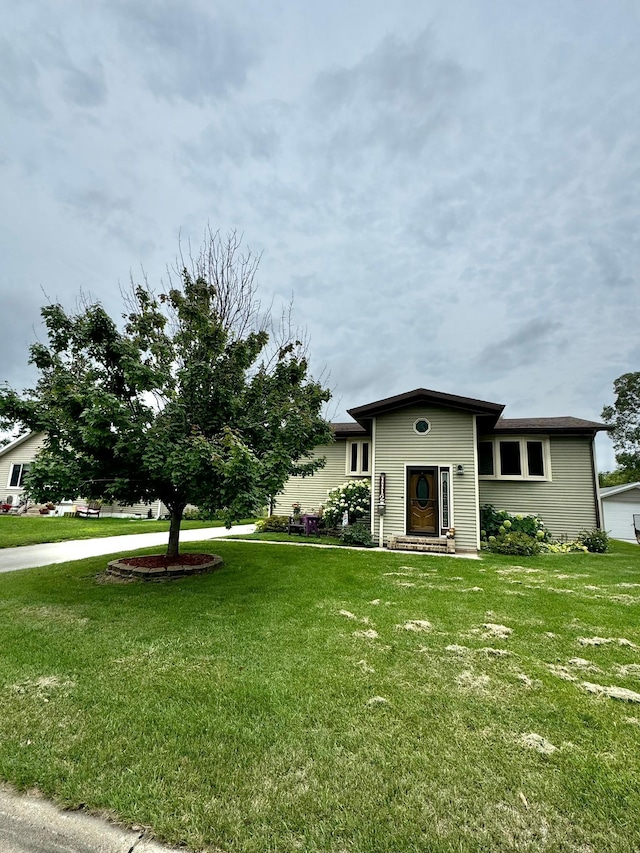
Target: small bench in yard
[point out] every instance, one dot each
(296, 525)
(91, 510)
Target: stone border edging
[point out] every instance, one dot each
(124, 570)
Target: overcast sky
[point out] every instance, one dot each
(450, 189)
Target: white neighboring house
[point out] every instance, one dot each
(619, 506)
(15, 460)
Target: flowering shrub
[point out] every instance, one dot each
(517, 544)
(353, 497)
(499, 522)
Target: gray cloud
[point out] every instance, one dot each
(234, 139)
(19, 80)
(85, 87)
(394, 99)
(96, 204)
(185, 51)
(455, 209)
(521, 347)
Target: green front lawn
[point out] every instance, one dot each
(334, 700)
(295, 538)
(33, 530)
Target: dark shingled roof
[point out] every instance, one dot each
(556, 425)
(489, 420)
(344, 430)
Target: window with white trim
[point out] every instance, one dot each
(445, 499)
(421, 426)
(358, 457)
(19, 471)
(514, 458)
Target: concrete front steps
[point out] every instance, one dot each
(428, 544)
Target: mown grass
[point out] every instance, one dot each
(291, 538)
(243, 710)
(18, 530)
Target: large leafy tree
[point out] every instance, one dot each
(624, 416)
(195, 398)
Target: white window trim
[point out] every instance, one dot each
(522, 440)
(13, 465)
(420, 420)
(358, 472)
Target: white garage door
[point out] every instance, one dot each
(618, 518)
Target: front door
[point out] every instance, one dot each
(422, 501)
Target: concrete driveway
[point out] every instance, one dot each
(30, 556)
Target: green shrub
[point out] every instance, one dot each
(596, 540)
(196, 514)
(499, 522)
(273, 524)
(517, 544)
(357, 534)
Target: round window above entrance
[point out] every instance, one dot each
(421, 426)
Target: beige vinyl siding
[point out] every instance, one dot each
(23, 454)
(140, 509)
(311, 492)
(566, 504)
(450, 442)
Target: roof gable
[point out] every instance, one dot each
(17, 442)
(425, 397)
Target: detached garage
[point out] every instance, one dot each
(621, 511)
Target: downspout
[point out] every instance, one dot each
(475, 478)
(373, 476)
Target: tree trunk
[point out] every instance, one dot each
(173, 548)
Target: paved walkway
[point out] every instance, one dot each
(30, 556)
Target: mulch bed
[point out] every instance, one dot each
(157, 561)
(161, 567)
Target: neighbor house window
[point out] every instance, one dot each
(18, 473)
(358, 457)
(514, 458)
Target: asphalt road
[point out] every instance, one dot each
(30, 556)
(30, 824)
